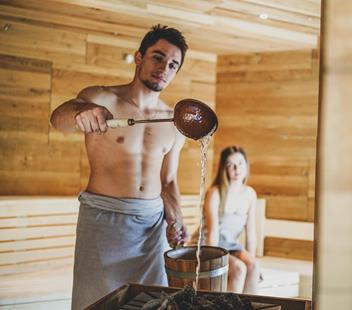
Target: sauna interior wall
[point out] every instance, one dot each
(268, 103)
(43, 65)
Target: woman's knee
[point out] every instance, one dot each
(252, 266)
(237, 267)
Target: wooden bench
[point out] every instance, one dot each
(36, 251)
(37, 246)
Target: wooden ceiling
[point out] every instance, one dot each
(211, 26)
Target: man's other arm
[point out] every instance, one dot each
(176, 230)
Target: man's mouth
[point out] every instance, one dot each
(159, 78)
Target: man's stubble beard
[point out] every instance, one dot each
(152, 86)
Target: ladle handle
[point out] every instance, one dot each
(119, 122)
(124, 122)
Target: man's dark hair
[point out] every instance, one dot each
(171, 35)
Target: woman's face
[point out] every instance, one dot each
(236, 167)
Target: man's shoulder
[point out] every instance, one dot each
(99, 93)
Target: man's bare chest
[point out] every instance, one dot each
(141, 138)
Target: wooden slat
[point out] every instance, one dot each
(9, 234)
(287, 207)
(25, 96)
(36, 205)
(56, 219)
(12, 258)
(109, 56)
(27, 40)
(288, 248)
(42, 243)
(30, 267)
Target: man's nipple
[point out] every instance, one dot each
(120, 139)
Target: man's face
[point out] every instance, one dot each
(159, 65)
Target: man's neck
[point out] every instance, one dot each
(141, 96)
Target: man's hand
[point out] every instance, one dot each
(176, 234)
(92, 118)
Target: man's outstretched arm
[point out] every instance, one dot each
(86, 112)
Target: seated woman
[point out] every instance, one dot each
(229, 208)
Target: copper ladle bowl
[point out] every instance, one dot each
(194, 119)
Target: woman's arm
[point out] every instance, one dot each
(251, 237)
(211, 214)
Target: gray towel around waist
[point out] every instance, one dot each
(118, 241)
(129, 206)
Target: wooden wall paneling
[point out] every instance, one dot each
(45, 43)
(111, 57)
(204, 92)
(279, 145)
(28, 169)
(176, 91)
(286, 207)
(198, 70)
(190, 168)
(267, 103)
(25, 95)
(266, 62)
(288, 248)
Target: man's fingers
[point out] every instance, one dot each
(176, 234)
(93, 122)
(101, 123)
(79, 123)
(86, 124)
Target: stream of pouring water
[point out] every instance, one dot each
(204, 143)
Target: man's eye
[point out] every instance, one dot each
(172, 66)
(157, 57)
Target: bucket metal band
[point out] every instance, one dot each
(203, 274)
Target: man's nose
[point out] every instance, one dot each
(163, 66)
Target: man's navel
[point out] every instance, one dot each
(141, 188)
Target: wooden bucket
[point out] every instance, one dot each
(181, 264)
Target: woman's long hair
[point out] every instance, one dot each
(221, 180)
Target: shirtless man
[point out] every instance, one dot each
(132, 186)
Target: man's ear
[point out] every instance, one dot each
(137, 58)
